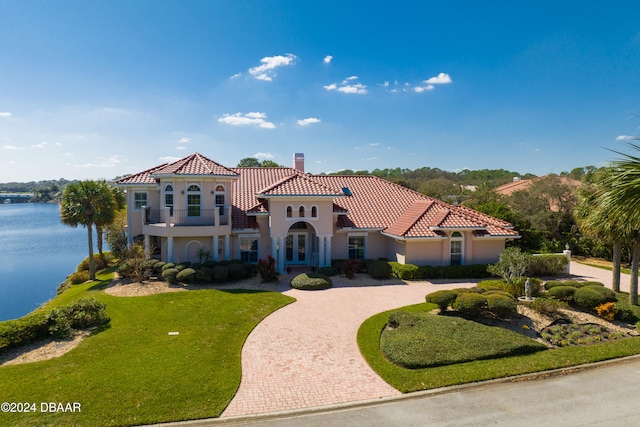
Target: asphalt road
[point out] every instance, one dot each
(605, 395)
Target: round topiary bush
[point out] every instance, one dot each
(553, 283)
(502, 305)
(470, 303)
(562, 293)
(157, 267)
(588, 298)
(548, 306)
(328, 271)
(236, 271)
(125, 269)
(443, 298)
(170, 274)
(220, 273)
(606, 292)
(311, 281)
(204, 275)
(379, 269)
(210, 263)
(78, 277)
(188, 275)
(168, 265)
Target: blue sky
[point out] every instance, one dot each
(98, 89)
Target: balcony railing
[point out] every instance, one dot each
(187, 217)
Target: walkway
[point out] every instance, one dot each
(306, 354)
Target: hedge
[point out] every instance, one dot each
(427, 272)
(546, 265)
(311, 281)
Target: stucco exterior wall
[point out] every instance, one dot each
(425, 252)
(486, 251)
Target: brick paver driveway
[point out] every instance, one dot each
(306, 354)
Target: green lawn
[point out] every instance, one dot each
(133, 372)
(408, 380)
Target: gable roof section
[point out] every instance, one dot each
(410, 218)
(299, 185)
(143, 177)
(195, 164)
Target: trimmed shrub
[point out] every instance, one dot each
(553, 283)
(548, 306)
(489, 285)
(605, 292)
(588, 298)
(625, 313)
(328, 271)
(587, 283)
(99, 262)
(501, 304)
(515, 288)
(405, 271)
(311, 281)
(220, 274)
(443, 298)
(470, 303)
(87, 312)
(236, 271)
(204, 275)
(78, 277)
(196, 266)
(157, 267)
(546, 265)
(185, 264)
(169, 275)
(498, 292)
(188, 275)
(562, 293)
(379, 270)
(210, 263)
(168, 265)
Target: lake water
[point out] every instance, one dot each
(37, 253)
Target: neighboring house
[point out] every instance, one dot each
(195, 206)
(523, 184)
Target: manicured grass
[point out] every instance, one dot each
(133, 372)
(407, 380)
(420, 340)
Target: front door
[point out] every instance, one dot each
(297, 248)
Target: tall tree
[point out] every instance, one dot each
(108, 214)
(83, 203)
(622, 199)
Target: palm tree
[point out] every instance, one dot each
(622, 200)
(595, 221)
(107, 215)
(84, 203)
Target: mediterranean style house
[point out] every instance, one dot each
(194, 208)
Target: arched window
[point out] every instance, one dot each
(456, 248)
(301, 212)
(193, 200)
(168, 197)
(220, 199)
(289, 212)
(314, 212)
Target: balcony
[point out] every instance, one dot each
(179, 222)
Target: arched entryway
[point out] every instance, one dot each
(300, 244)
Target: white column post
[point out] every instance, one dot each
(321, 257)
(567, 253)
(281, 255)
(328, 250)
(169, 249)
(229, 215)
(215, 249)
(227, 249)
(216, 216)
(167, 216)
(274, 248)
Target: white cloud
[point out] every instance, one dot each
(41, 145)
(266, 71)
(102, 162)
(248, 119)
(625, 138)
(11, 147)
(235, 76)
(357, 88)
(308, 121)
(420, 89)
(181, 147)
(440, 79)
(263, 156)
(374, 144)
(348, 85)
(327, 59)
(5, 114)
(184, 140)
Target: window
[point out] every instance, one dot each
(456, 248)
(193, 200)
(168, 197)
(356, 247)
(289, 212)
(301, 212)
(314, 212)
(139, 200)
(249, 250)
(219, 199)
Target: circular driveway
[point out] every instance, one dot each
(306, 355)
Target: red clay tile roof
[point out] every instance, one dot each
(360, 201)
(195, 164)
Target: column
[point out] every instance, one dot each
(227, 249)
(215, 248)
(281, 255)
(147, 246)
(321, 258)
(274, 248)
(167, 216)
(328, 250)
(170, 249)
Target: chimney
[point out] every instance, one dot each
(298, 161)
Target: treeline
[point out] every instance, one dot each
(43, 191)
